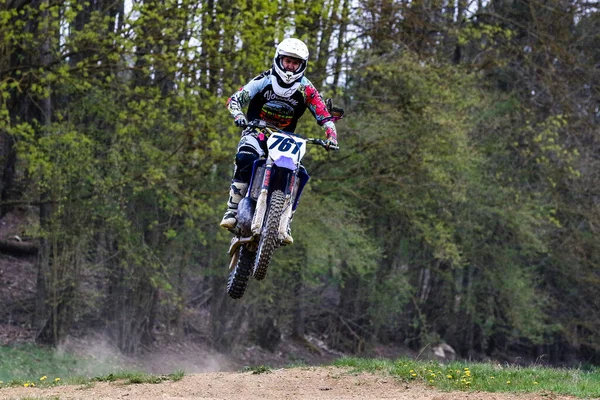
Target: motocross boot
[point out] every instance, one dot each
(236, 193)
(289, 239)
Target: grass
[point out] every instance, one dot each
(137, 377)
(261, 369)
(485, 377)
(29, 365)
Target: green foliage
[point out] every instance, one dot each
(332, 230)
(460, 207)
(424, 176)
(422, 148)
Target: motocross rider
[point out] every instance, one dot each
(279, 95)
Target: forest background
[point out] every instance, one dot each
(463, 207)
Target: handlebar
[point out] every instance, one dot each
(323, 143)
(260, 124)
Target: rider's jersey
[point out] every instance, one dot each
(283, 112)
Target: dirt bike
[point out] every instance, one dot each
(264, 213)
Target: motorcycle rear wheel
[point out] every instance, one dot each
(238, 277)
(269, 239)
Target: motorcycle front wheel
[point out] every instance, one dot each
(269, 239)
(239, 275)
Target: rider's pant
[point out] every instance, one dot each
(250, 148)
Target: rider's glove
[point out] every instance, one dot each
(330, 134)
(240, 120)
(331, 142)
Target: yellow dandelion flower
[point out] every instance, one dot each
(412, 370)
(43, 378)
(414, 374)
(26, 384)
(56, 379)
(534, 382)
(466, 369)
(491, 377)
(432, 375)
(508, 382)
(449, 376)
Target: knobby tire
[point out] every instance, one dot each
(238, 277)
(269, 239)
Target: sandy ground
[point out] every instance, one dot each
(310, 383)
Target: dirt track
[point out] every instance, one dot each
(308, 383)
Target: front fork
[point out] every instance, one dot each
(284, 222)
(261, 202)
(289, 184)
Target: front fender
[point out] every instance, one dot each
(246, 209)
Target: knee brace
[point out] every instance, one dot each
(244, 160)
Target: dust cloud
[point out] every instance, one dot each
(101, 357)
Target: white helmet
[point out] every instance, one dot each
(291, 48)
